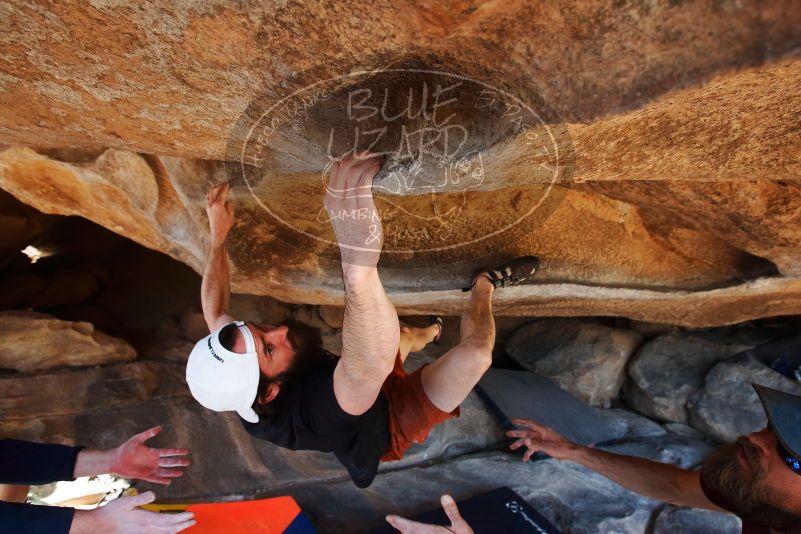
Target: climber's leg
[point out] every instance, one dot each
(413, 338)
(449, 380)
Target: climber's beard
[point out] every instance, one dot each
(741, 486)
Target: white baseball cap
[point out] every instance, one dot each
(222, 380)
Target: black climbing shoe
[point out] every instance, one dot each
(513, 273)
(437, 320)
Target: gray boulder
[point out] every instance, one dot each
(683, 452)
(584, 358)
(667, 370)
(727, 406)
(627, 424)
(680, 429)
(672, 519)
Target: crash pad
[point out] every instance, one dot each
(278, 515)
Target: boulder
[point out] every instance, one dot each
(274, 311)
(65, 287)
(32, 341)
(727, 406)
(586, 359)
(17, 290)
(247, 307)
(668, 369)
(635, 147)
(169, 342)
(672, 519)
(192, 325)
(310, 315)
(680, 429)
(332, 315)
(637, 151)
(626, 424)
(650, 330)
(685, 452)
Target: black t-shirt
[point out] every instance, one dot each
(309, 418)
(718, 499)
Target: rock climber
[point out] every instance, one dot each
(362, 406)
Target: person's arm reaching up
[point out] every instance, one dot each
(34, 463)
(370, 330)
(663, 482)
(215, 290)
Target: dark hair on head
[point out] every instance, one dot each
(309, 354)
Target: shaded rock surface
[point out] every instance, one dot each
(626, 424)
(672, 519)
(584, 358)
(667, 370)
(681, 429)
(31, 341)
(99, 407)
(659, 181)
(727, 406)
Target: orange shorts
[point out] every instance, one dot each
(411, 414)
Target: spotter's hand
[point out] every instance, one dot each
(458, 524)
(539, 438)
(123, 516)
(134, 459)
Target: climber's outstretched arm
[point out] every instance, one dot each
(370, 331)
(215, 290)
